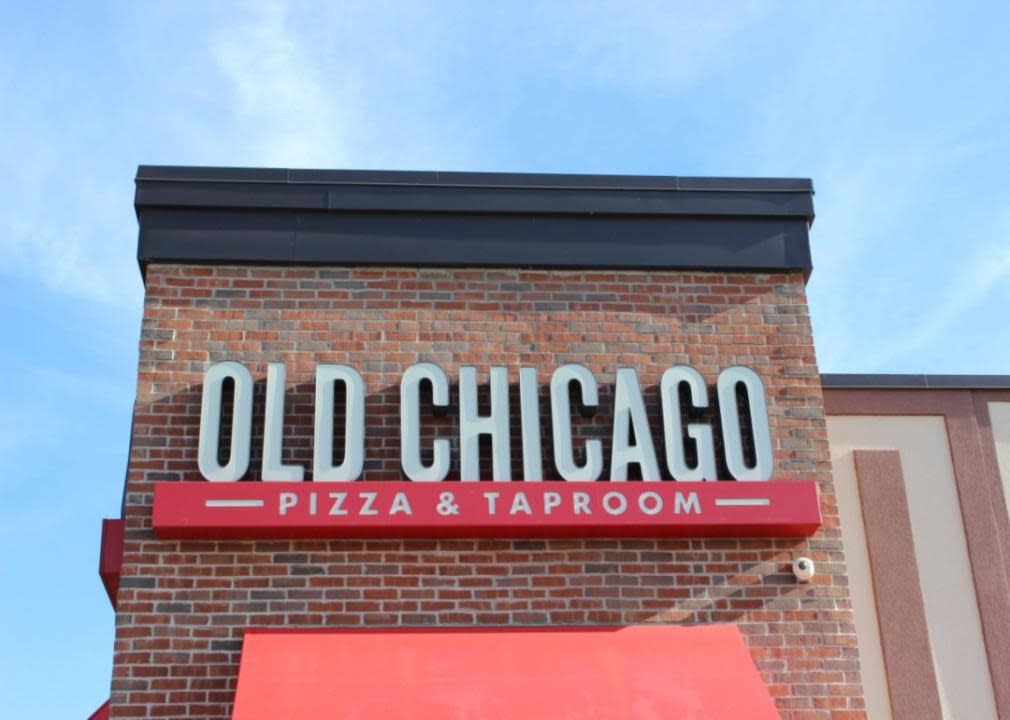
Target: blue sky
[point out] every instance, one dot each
(898, 112)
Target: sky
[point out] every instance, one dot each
(897, 111)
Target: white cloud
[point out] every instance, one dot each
(21, 428)
(60, 387)
(644, 45)
(886, 176)
(62, 225)
(32, 522)
(294, 116)
(876, 284)
(350, 85)
(59, 225)
(986, 271)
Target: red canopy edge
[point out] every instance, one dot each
(110, 562)
(101, 713)
(600, 673)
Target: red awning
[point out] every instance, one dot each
(640, 672)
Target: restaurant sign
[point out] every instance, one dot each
(426, 504)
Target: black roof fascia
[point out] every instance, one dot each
(855, 381)
(365, 217)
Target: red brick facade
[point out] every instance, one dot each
(183, 605)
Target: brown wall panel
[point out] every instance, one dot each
(904, 634)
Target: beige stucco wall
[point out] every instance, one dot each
(857, 560)
(947, 587)
(999, 418)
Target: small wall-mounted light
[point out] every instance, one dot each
(803, 569)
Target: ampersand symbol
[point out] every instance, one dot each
(447, 504)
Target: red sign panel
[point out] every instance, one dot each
(484, 509)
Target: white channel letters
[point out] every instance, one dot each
(632, 439)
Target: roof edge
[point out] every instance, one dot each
(560, 181)
(454, 219)
(885, 381)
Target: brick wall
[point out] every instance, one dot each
(183, 605)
